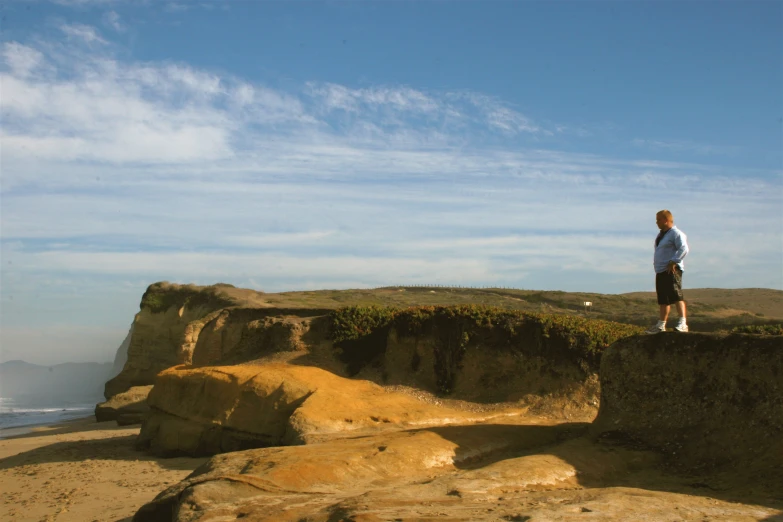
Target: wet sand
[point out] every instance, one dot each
(80, 471)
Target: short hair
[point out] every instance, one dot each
(666, 214)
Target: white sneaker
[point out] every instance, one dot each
(656, 328)
(681, 327)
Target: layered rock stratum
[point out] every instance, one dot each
(451, 414)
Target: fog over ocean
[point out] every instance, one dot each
(34, 395)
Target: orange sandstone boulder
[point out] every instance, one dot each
(202, 411)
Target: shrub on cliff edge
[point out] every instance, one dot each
(763, 329)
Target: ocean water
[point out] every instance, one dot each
(30, 412)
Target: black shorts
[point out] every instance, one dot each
(669, 287)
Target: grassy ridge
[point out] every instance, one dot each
(708, 309)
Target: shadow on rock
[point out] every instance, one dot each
(480, 445)
(543, 456)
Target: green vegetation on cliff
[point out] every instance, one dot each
(764, 329)
(360, 334)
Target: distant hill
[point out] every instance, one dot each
(20, 379)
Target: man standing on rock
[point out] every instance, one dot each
(670, 248)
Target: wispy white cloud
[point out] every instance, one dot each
(400, 98)
(82, 32)
(21, 60)
(175, 7)
(112, 19)
(685, 146)
(448, 110)
(278, 239)
(179, 7)
(510, 121)
(115, 114)
(499, 115)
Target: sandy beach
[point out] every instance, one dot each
(80, 471)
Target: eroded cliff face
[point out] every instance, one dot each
(238, 335)
(121, 357)
(488, 371)
(164, 332)
(705, 401)
(485, 372)
(159, 341)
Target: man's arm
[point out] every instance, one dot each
(681, 242)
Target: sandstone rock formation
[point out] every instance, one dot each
(255, 481)
(236, 326)
(689, 428)
(165, 331)
(235, 335)
(489, 368)
(260, 401)
(209, 410)
(480, 472)
(126, 408)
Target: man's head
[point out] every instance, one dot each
(664, 219)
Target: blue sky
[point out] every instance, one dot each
(298, 145)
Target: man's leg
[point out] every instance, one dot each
(682, 325)
(661, 325)
(664, 311)
(664, 308)
(681, 309)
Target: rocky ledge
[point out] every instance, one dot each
(709, 403)
(126, 408)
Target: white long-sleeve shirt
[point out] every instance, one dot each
(673, 247)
